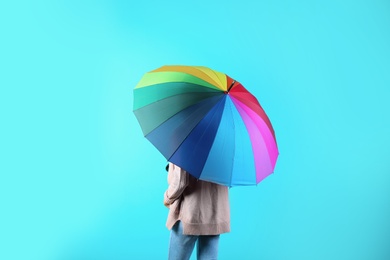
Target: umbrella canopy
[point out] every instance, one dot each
(206, 123)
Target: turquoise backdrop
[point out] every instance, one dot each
(79, 182)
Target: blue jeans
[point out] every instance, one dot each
(181, 246)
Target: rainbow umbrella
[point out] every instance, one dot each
(207, 123)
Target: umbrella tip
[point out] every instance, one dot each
(231, 85)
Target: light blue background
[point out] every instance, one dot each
(79, 181)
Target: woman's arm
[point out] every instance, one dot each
(178, 181)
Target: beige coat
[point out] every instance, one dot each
(202, 207)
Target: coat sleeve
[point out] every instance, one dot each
(177, 181)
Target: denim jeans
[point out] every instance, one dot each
(181, 246)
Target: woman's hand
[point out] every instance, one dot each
(166, 204)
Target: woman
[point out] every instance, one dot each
(198, 212)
